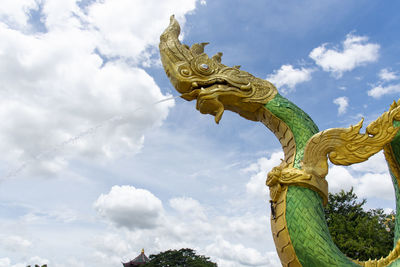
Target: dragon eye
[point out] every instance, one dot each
(204, 66)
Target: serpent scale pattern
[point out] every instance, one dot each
(309, 232)
(299, 229)
(304, 211)
(395, 144)
(298, 121)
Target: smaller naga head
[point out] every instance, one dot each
(215, 86)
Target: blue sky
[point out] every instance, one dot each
(93, 171)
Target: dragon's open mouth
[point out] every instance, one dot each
(202, 89)
(207, 96)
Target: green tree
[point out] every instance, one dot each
(184, 257)
(358, 233)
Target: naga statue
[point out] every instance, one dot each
(298, 188)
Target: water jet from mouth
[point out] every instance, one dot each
(115, 119)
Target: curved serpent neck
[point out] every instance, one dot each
(304, 216)
(299, 123)
(392, 154)
(298, 188)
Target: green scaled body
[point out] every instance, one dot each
(305, 216)
(300, 231)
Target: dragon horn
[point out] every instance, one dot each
(170, 46)
(172, 31)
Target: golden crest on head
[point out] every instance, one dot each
(215, 86)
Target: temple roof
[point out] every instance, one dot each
(139, 260)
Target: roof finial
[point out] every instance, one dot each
(142, 250)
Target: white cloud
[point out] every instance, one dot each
(76, 263)
(235, 233)
(127, 30)
(375, 185)
(109, 249)
(369, 179)
(129, 207)
(62, 15)
(15, 243)
(377, 163)
(64, 215)
(56, 87)
(256, 186)
(379, 91)
(6, 262)
(16, 13)
(287, 77)
(388, 210)
(340, 178)
(387, 75)
(188, 206)
(356, 52)
(249, 225)
(230, 255)
(343, 103)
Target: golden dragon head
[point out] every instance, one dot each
(215, 86)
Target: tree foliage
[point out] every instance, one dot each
(184, 257)
(358, 233)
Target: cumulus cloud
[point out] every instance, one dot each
(230, 255)
(380, 90)
(343, 103)
(6, 262)
(126, 29)
(256, 185)
(15, 243)
(377, 185)
(42, 216)
(126, 206)
(240, 232)
(388, 210)
(81, 75)
(383, 88)
(387, 75)
(16, 13)
(369, 179)
(109, 249)
(377, 163)
(250, 225)
(339, 178)
(356, 51)
(287, 77)
(188, 206)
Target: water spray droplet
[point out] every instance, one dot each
(74, 139)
